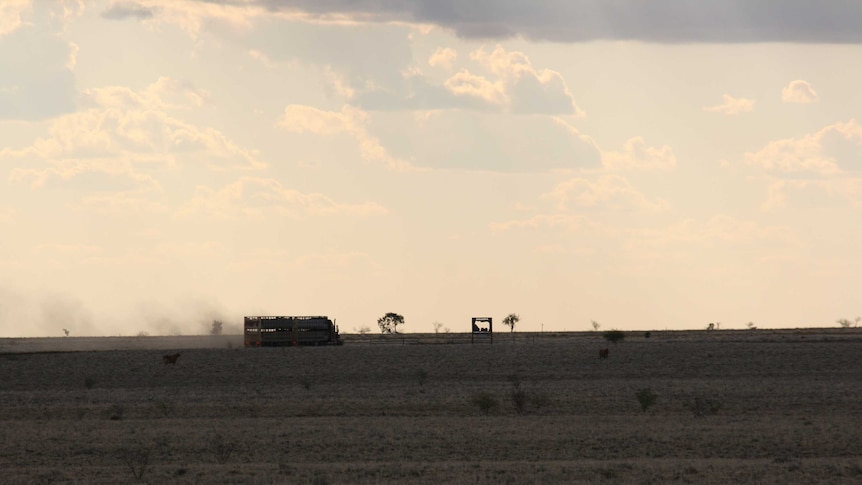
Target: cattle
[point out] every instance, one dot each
(171, 358)
(603, 353)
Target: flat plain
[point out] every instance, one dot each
(752, 406)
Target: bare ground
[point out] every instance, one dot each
(732, 407)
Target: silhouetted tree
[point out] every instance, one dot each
(511, 320)
(389, 323)
(596, 325)
(217, 327)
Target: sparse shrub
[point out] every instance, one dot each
(847, 323)
(421, 376)
(485, 401)
(136, 459)
(89, 382)
(306, 382)
(519, 399)
(217, 327)
(646, 397)
(614, 336)
(222, 448)
(165, 407)
(700, 406)
(116, 412)
(143, 333)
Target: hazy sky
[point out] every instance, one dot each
(647, 165)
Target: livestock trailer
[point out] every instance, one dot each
(272, 331)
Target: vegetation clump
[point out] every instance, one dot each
(701, 406)
(485, 401)
(646, 398)
(614, 336)
(389, 323)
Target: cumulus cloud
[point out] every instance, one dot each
(799, 92)
(123, 138)
(443, 57)
(11, 12)
(497, 81)
(609, 191)
(834, 149)
(260, 197)
(732, 106)
(728, 21)
(637, 155)
(349, 121)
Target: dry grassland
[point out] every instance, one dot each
(732, 407)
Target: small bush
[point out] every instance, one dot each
(116, 412)
(703, 406)
(136, 459)
(646, 397)
(421, 376)
(222, 448)
(165, 407)
(89, 382)
(614, 336)
(306, 382)
(485, 401)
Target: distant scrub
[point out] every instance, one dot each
(701, 406)
(485, 401)
(614, 336)
(646, 398)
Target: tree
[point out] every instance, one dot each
(217, 327)
(846, 323)
(596, 325)
(437, 326)
(511, 320)
(389, 323)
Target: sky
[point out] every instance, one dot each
(645, 165)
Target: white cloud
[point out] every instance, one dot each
(350, 121)
(799, 92)
(832, 192)
(732, 106)
(833, 149)
(443, 57)
(528, 90)
(608, 191)
(466, 84)
(261, 197)
(637, 155)
(11, 12)
(126, 135)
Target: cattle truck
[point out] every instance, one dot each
(281, 331)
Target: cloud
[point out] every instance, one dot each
(349, 121)
(799, 92)
(732, 106)
(637, 155)
(832, 150)
(668, 21)
(11, 12)
(608, 191)
(259, 197)
(125, 10)
(36, 81)
(124, 138)
(500, 81)
(443, 57)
